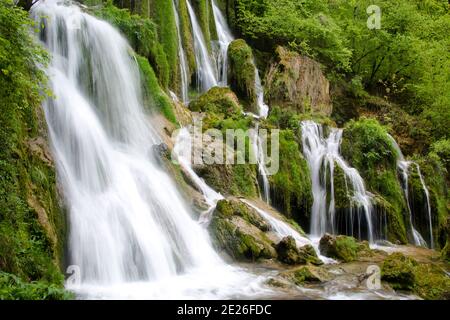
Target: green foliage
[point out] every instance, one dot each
(31, 224)
(13, 288)
(153, 93)
(368, 146)
(142, 36)
(306, 26)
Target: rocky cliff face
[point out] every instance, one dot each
(297, 82)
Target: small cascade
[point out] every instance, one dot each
(183, 153)
(403, 167)
(427, 195)
(258, 150)
(221, 47)
(263, 108)
(206, 74)
(184, 73)
(283, 229)
(322, 155)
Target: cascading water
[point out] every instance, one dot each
(283, 229)
(206, 74)
(403, 167)
(257, 148)
(184, 74)
(322, 154)
(225, 38)
(131, 235)
(183, 153)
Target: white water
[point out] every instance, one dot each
(225, 38)
(322, 154)
(131, 234)
(283, 229)
(257, 148)
(403, 167)
(184, 74)
(183, 152)
(206, 74)
(263, 108)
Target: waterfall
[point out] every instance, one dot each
(183, 153)
(403, 167)
(131, 234)
(184, 74)
(206, 74)
(322, 155)
(225, 38)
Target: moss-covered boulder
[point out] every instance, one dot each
(398, 270)
(297, 82)
(291, 185)
(242, 72)
(303, 275)
(343, 248)
(238, 230)
(233, 180)
(219, 101)
(289, 253)
(367, 147)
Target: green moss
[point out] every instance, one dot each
(154, 95)
(142, 35)
(291, 185)
(233, 232)
(343, 248)
(217, 100)
(433, 174)
(186, 36)
(398, 270)
(427, 280)
(303, 275)
(241, 73)
(367, 147)
(163, 15)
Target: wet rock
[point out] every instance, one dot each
(398, 270)
(343, 248)
(297, 82)
(289, 253)
(238, 230)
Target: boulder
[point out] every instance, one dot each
(343, 248)
(398, 270)
(297, 82)
(238, 230)
(289, 253)
(242, 73)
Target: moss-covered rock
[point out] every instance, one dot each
(154, 96)
(398, 270)
(219, 101)
(291, 185)
(234, 180)
(343, 248)
(236, 229)
(289, 253)
(241, 73)
(367, 147)
(297, 82)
